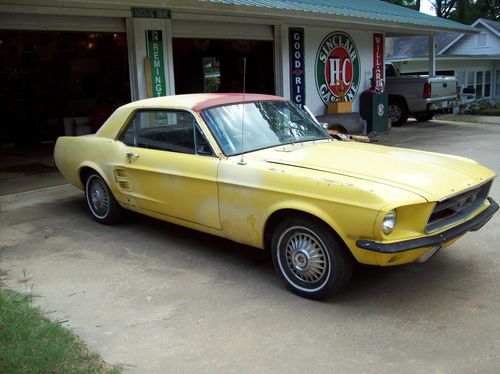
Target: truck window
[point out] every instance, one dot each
(390, 71)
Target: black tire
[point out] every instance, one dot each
(424, 117)
(100, 200)
(398, 112)
(309, 258)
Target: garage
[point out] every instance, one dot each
(65, 66)
(60, 80)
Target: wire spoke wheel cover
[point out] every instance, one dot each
(303, 259)
(100, 200)
(306, 257)
(309, 257)
(98, 196)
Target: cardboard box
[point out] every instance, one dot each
(339, 107)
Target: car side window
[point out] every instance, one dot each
(174, 131)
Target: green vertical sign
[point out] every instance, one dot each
(155, 56)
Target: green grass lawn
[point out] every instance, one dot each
(485, 112)
(31, 343)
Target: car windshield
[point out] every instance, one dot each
(246, 127)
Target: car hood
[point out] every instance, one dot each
(433, 176)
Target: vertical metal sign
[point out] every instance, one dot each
(155, 56)
(297, 71)
(378, 60)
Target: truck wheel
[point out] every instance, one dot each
(309, 258)
(398, 113)
(424, 117)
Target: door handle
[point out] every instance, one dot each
(130, 155)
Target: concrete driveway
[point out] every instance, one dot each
(157, 298)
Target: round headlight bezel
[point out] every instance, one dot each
(389, 222)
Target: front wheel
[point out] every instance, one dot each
(309, 258)
(100, 200)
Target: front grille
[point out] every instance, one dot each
(456, 208)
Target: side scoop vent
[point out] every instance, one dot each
(122, 179)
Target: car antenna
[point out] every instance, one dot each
(242, 161)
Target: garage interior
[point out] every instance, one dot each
(216, 65)
(53, 84)
(57, 83)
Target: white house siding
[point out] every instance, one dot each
(467, 45)
(456, 65)
(496, 79)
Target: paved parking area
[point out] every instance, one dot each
(157, 298)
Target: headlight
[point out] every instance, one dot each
(389, 222)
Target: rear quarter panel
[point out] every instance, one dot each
(72, 154)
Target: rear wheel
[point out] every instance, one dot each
(424, 117)
(309, 258)
(398, 112)
(100, 200)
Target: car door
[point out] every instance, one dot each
(170, 168)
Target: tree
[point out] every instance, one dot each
(412, 4)
(444, 8)
(489, 9)
(468, 11)
(464, 12)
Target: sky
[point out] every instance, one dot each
(425, 7)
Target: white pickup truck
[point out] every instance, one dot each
(419, 96)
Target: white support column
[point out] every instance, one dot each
(278, 59)
(281, 61)
(432, 54)
(137, 51)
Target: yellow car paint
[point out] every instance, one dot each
(349, 186)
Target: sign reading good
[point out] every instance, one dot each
(337, 68)
(297, 73)
(155, 56)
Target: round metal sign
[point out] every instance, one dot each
(337, 68)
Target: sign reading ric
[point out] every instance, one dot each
(297, 73)
(337, 68)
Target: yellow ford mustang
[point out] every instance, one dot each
(260, 171)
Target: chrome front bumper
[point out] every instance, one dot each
(473, 224)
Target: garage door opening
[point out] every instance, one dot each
(216, 65)
(59, 83)
(53, 84)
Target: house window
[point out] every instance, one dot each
(479, 84)
(475, 82)
(497, 84)
(470, 80)
(482, 40)
(487, 83)
(461, 80)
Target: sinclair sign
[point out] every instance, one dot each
(337, 68)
